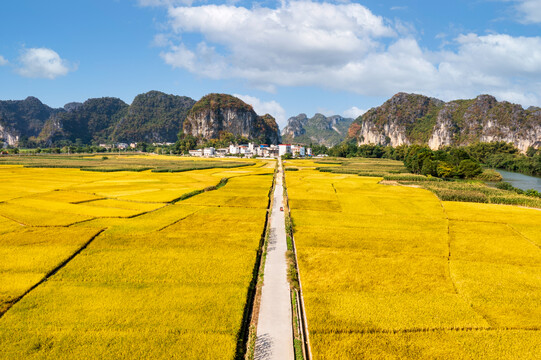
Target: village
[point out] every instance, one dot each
(252, 150)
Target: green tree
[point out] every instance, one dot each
(469, 169)
(185, 143)
(445, 170)
(287, 156)
(416, 156)
(430, 167)
(143, 146)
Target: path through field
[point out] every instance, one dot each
(274, 329)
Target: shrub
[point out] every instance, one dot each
(532, 192)
(504, 186)
(516, 200)
(373, 174)
(410, 177)
(489, 175)
(324, 169)
(461, 195)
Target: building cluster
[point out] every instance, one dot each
(250, 150)
(133, 145)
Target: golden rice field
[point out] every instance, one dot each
(152, 278)
(390, 272)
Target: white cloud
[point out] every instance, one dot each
(529, 10)
(353, 112)
(3, 61)
(497, 64)
(300, 36)
(347, 47)
(161, 40)
(203, 60)
(266, 107)
(42, 63)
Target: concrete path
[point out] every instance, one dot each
(274, 328)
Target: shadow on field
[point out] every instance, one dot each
(263, 346)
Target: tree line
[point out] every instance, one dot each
(447, 162)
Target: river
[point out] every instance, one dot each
(521, 181)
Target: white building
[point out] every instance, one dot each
(297, 150)
(252, 148)
(308, 151)
(222, 152)
(198, 152)
(210, 151)
(243, 149)
(284, 149)
(273, 151)
(260, 149)
(234, 149)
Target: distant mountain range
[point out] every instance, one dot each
(158, 117)
(321, 130)
(152, 117)
(417, 119)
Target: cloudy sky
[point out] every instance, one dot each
(284, 57)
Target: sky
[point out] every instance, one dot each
(283, 57)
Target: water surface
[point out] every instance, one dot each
(521, 181)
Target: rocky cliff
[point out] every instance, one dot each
(215, 114)
(23, 118)
(322, 130)
(417, 119)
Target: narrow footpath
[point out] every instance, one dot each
(274, 329)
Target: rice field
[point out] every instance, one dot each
(393, 171)
(109, 162)
(392, 272)
(111, 265)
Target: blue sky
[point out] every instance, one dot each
(283, 57)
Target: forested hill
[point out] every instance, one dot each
(93, 121)
(23, 118)
(152, 117)
(417, 119)
(319, 129)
